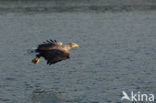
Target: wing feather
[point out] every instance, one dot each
(55, 55)
(49, 44)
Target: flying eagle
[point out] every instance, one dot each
(53, 51)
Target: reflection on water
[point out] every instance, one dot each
(46, 96)
(52, 95)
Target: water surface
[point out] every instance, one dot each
(117, 52)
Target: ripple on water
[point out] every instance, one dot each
(4, 99)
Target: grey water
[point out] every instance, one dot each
(117, 53)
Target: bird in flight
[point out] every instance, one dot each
(53, 51)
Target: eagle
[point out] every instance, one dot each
(53, 51)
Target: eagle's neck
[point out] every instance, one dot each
(66, 47)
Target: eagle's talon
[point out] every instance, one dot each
(36, 60)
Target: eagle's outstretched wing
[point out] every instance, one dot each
(54, 55)
(49, 44)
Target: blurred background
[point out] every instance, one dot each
(76, 5)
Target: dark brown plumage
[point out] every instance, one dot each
(53, 51)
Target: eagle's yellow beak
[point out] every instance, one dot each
(76, 45)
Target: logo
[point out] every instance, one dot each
(137, 96)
